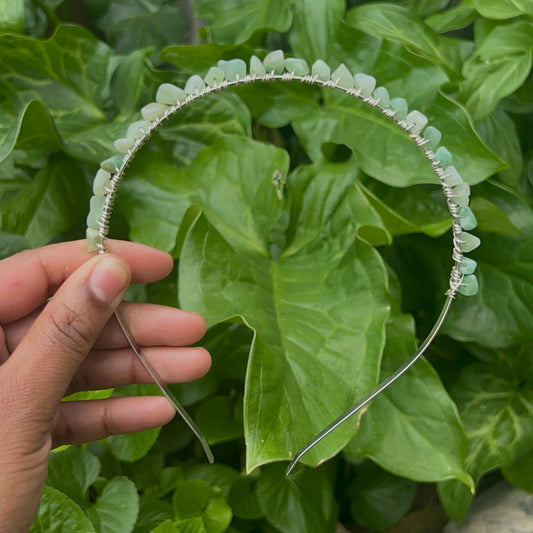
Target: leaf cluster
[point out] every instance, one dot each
(311, 296)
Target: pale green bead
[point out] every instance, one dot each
(417, 120)
(102, 182)
(469, 285)
(321, 70)
(461, 194)
(195, 84)
(452, 177)
(137, 129)
(399, 105)
(95, 211)
(275, 62)
(433, 135)
(467, 219)
(215, 76)
(169, 94)
(365, 83)
(382, 95)
(153, 111)
(468, 242)
(123, 145)
(297, 66)
(467, 266)
(234, 69)
(112, 164)
(93, 239)
(256, 67)
(343, 77)
(443, 156)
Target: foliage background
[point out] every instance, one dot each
(310, 298)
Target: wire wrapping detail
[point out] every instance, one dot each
(413, 124)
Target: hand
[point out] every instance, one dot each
(71, 343)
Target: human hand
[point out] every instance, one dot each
(71, 343)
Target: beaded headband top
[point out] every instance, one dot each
(276, 67)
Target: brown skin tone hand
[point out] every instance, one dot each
(50, 348)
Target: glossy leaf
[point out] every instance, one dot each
(416, 414)
(116, 510)
(520, 472)
(238, 23)
(59, 514)
(503, 9)
(457, 17)
(497, 68)
(12, 15)
(302, 502)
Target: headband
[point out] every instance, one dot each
(276, 67)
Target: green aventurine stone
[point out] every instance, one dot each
(112, 164)
(468, 242)
(102, 182)
(382, 95)
(153, 111)
(365, 83)
(214, 76)
(417, 120)
(433, 135)
(93, 239)
(297, 66)
(321, 70)
(137, 129)
(194, 84)
(469, 285)
(400, 106)
(256, 67)
(95, 211)
(443, 156)
(467, 219)
(234, 69)
(461, 194)
(452, 177)
(343, 77)
(467, 266)
(169, 94)
(275, 61)
(124, 144)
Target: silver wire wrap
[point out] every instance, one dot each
(455, 279)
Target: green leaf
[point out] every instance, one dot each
(378, 500)
(219, 476)
(424, 7)
(520, 472)
(133, 24)
(221, 416)
(152, 512)
(338, 317)
(59, 514)
(12, 15)
(416, 414)
(199, 501)
(499, 66)
(116, 510)
(503, 9)
(55, 200)
(168, 526)
(11, 244)
(398, 24)
(314, 25)
(243, 499)
(73, 471)
(237, 21)
(455, 18)
(301, 502)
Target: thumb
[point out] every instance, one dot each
(66, 330)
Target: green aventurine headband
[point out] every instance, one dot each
(275, 67)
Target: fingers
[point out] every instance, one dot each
(78, 422)
(28, 278)
(105, 369)
(150, 324)
(61, 337)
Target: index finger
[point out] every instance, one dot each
(29, 278)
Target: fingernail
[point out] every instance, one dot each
(108, 279)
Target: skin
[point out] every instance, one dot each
(57, 337)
